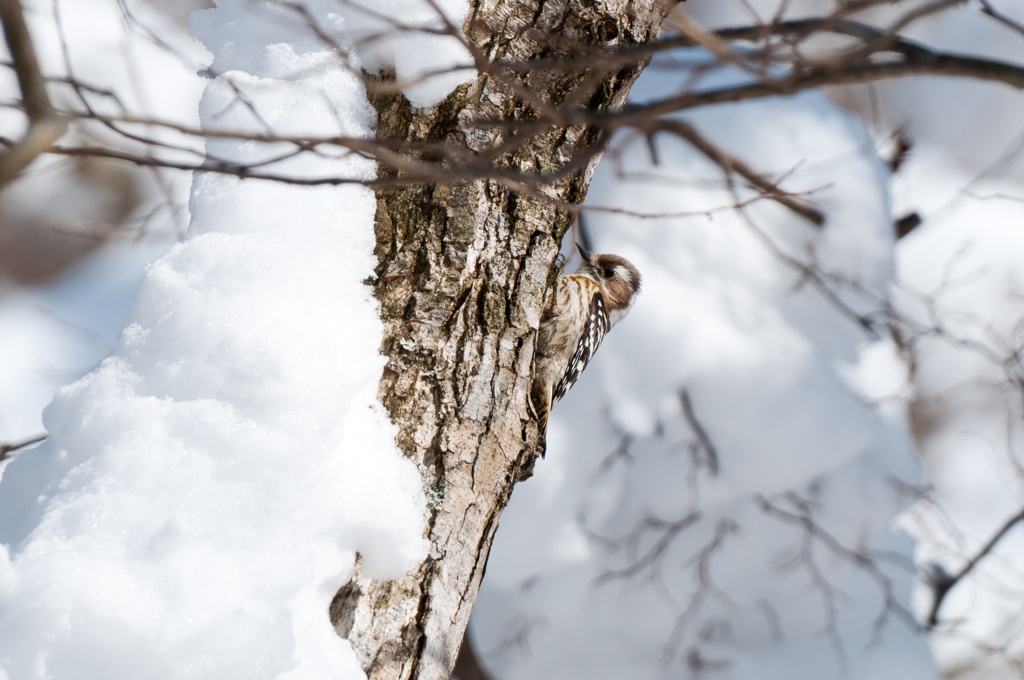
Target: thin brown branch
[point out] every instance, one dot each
(706, 588)
(943, 583)
(733, 164)
(681, 21)
(919, 61)
(868, 561)
(414, 172)
(710, 452)
(911, 59)
(651, 558)
(924, 63)
(987, 8)
(8, 448)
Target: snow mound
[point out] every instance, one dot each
(203, 493)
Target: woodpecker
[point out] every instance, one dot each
(582, 307)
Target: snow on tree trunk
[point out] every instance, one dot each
(461, 278)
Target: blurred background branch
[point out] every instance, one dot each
(45, 126)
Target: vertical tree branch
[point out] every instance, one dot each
(44, 125)
(462, 277)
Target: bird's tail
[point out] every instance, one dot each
(540, 408)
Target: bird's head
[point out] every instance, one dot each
(618, 278)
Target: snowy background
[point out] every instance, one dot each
(746, 483)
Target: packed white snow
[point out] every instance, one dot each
(203, 493)
(423, 49)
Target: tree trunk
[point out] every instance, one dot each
(463, 270)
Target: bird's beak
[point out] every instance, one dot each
(584, 253)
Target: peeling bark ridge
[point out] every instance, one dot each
(463, 270)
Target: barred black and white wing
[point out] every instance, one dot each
(590, 340)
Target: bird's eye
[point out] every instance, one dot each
(608, 272)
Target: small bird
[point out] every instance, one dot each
(582, 308)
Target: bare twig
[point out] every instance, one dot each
(924, 63)
(868, 561)
(649, 560)
(910, 59)
(8, 448)
(700, 563)
(710, 452)
(987, 8)
(942, 582)
(733, 164)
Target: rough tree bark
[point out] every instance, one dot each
(462, 274)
